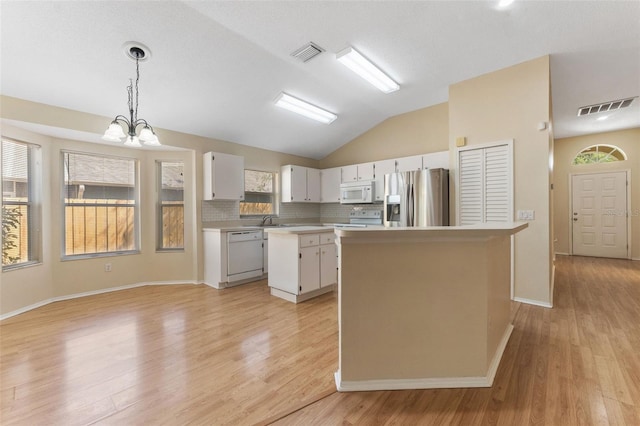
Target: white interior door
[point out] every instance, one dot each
(599, 218)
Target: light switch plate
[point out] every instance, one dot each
(526, 214)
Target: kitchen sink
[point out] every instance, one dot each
(275, 225)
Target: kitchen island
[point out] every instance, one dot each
(423, 307)
(302, 262)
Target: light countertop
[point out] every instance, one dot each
(289, 230)
(480, 230)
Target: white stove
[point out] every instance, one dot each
(363, 219)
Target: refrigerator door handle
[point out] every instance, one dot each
(410, 207)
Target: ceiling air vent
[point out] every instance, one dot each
(308, 51)
(605, 106)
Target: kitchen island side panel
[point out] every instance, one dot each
(499, 292)
(412, 310)
(425, 307)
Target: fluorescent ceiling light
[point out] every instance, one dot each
(304, 108)
(357, 63)
(504, 3)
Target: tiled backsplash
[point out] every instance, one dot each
(222, 211)
(217, 211)
(299, 211)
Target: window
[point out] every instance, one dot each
(170, 205)
(599, 154)
(258, 193)
(20, 204)
(100, 204)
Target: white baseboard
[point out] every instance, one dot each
(563, 254)
(295, 298)
(533, 302)
(553, 283)
(429, 383)
(25, 309)
(89, 293)
(497, 356)
(404, 384)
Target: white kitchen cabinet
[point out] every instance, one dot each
(328, 264)
(313, 185)
(330, 180)
(366, 171)
(436, 160)
(223, 176)
(300, 184)
(302, 264)
(350, 173)
(356, 172)
(309, 269)
(265, 253)
(406, 164)
(382, 168)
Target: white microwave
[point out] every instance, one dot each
(360, 192)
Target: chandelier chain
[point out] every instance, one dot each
(137, 80)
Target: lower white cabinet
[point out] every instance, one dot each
(265, 253)
(302, 264)
(328, 264)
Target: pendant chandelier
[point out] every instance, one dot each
(115, 132)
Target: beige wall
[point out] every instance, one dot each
(54, 278)
(417, 132)
(508, 104)
(33, 284)
(565, 150)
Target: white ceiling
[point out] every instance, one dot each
(217, 66)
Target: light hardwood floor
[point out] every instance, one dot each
(194, 355)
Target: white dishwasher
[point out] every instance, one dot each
(244, 255)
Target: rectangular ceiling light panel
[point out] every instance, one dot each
(301, 107)
(357, 63)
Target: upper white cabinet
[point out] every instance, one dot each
(406, 164)
(358, 172)
(436, 160)
(300, 184)
(350, 173)
(330, 185)
(223, 176)
(366, 171)
(382, 168)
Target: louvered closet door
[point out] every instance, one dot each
(471, 187)
(485, 192)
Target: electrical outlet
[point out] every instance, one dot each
(107, 267)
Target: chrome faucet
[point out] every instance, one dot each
(267, 218)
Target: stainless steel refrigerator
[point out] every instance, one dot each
(416, 198)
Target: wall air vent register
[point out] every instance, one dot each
(605, 106)
(307, 52)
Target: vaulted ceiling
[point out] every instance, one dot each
(217, 66)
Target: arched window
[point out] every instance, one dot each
(599, 154)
